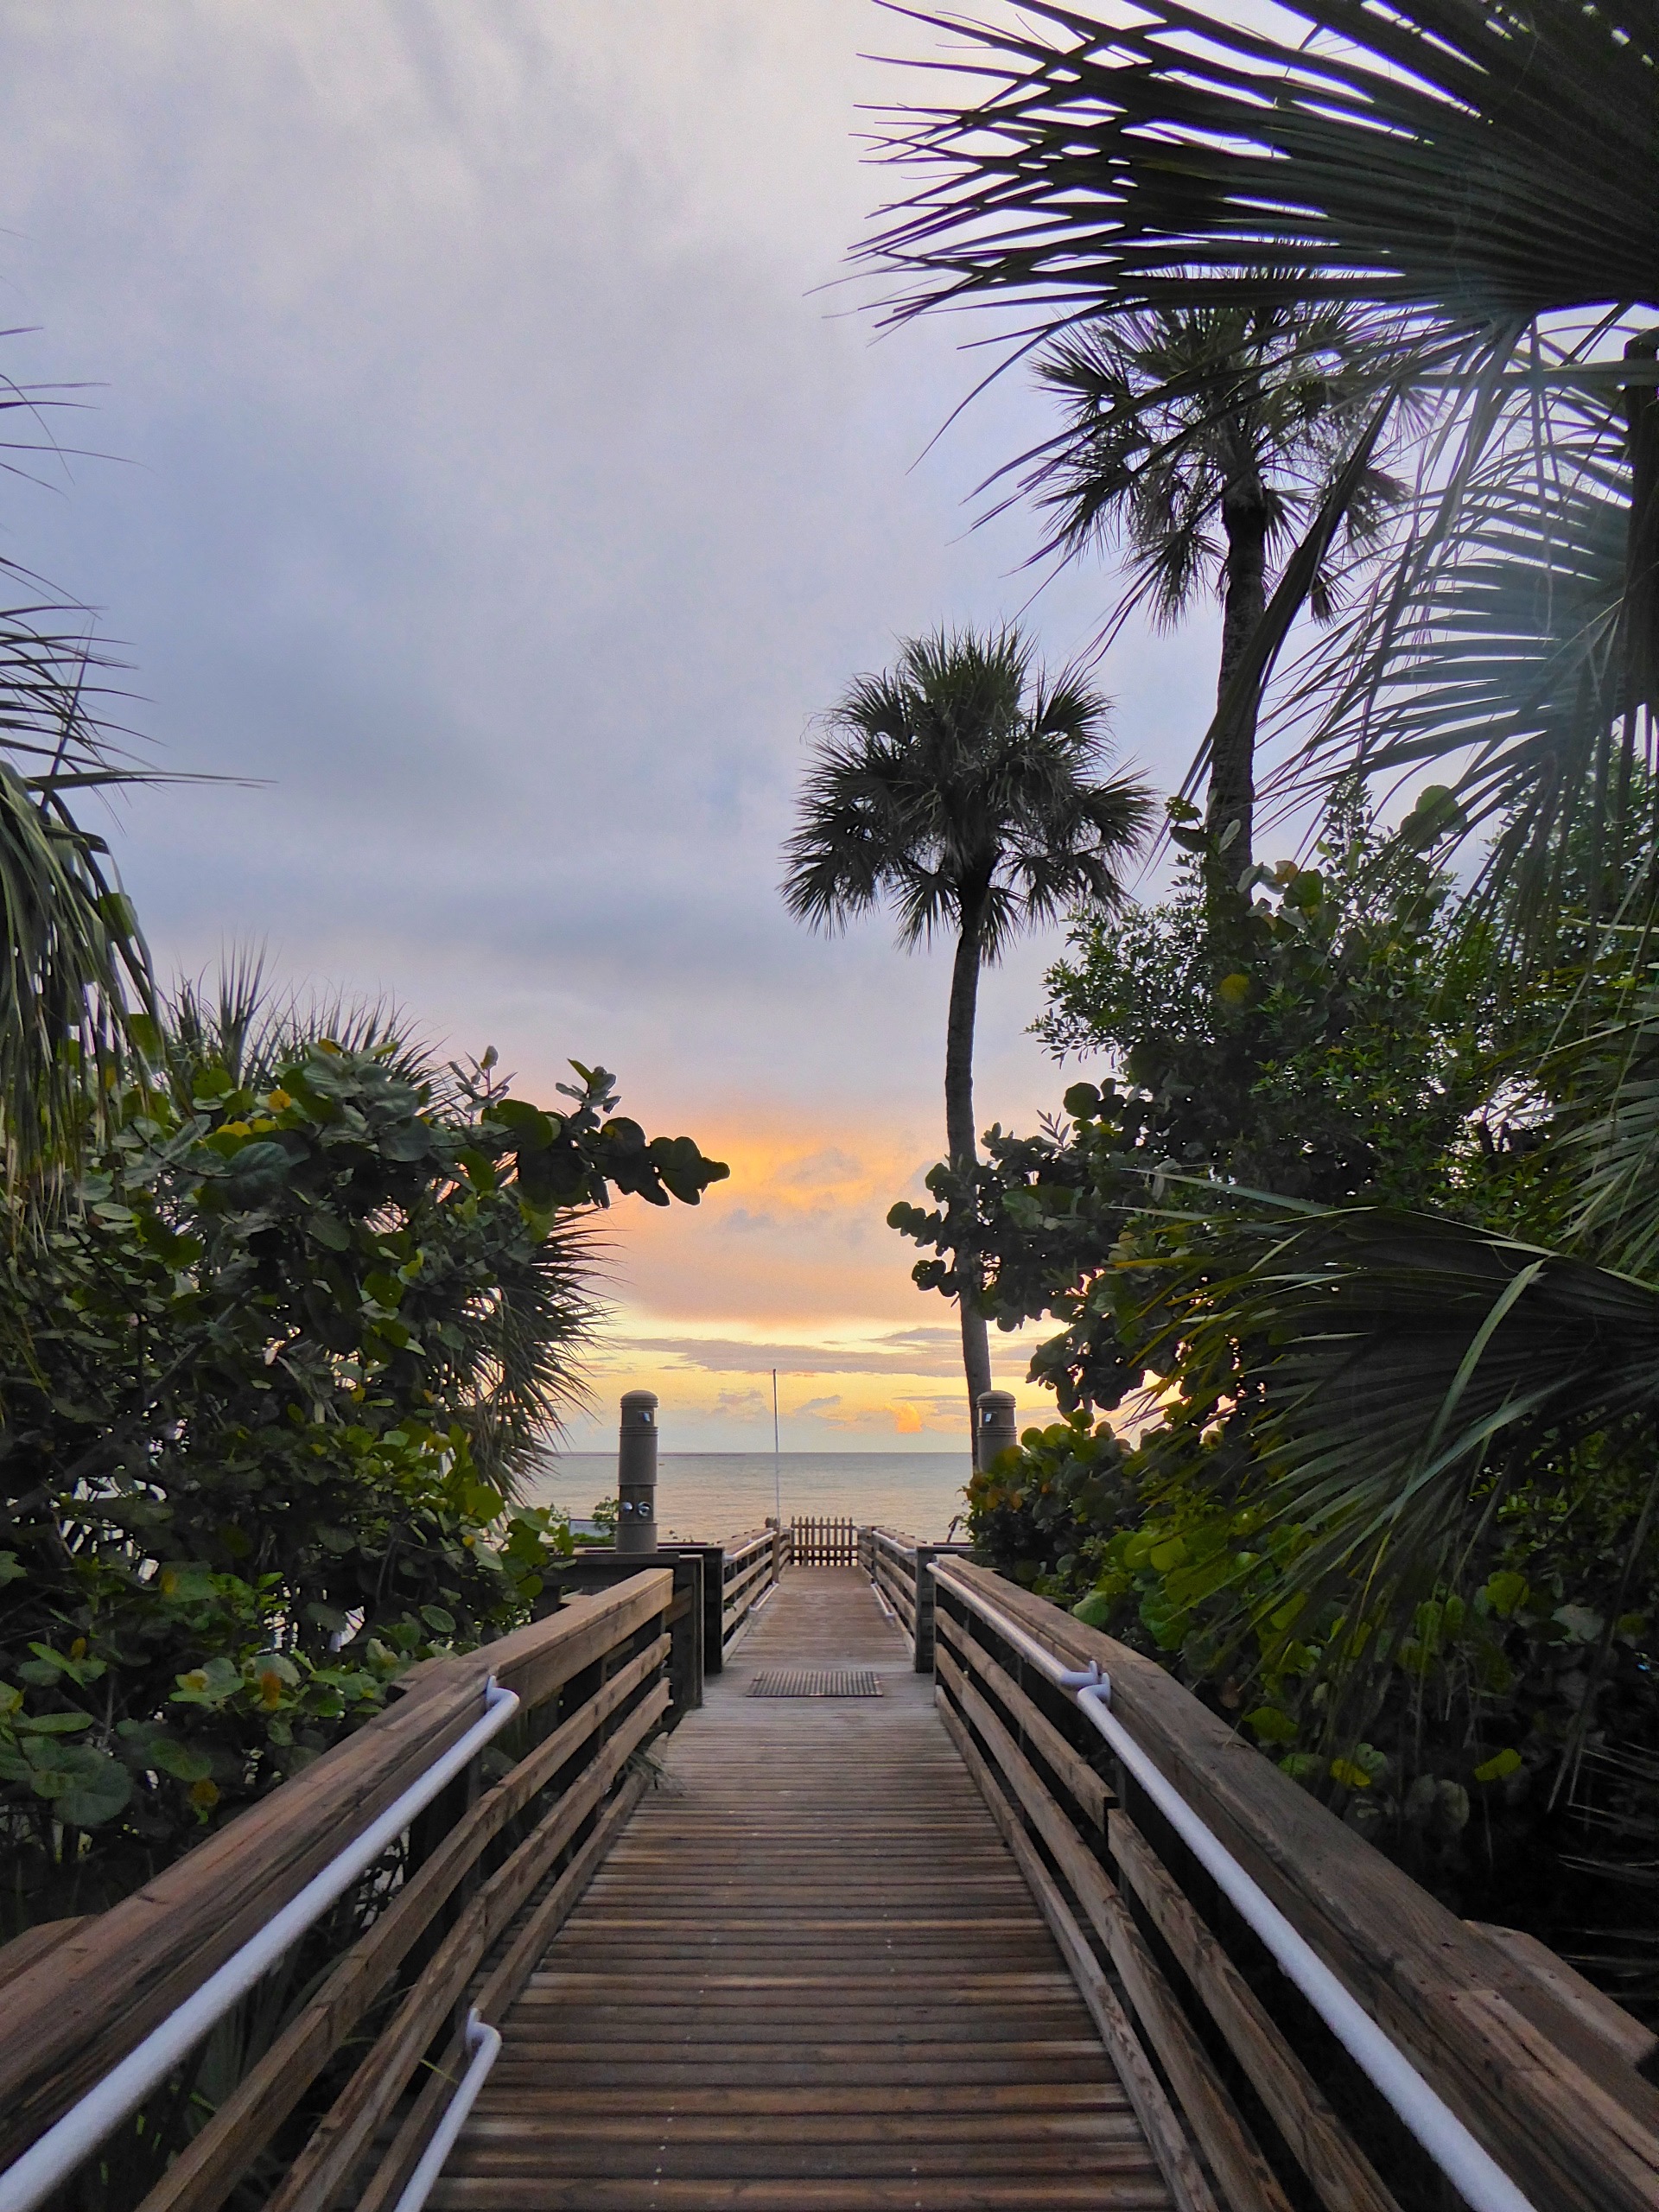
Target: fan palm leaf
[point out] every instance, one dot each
(1400, 1364)
(1469, 168)
(1492, 651)
(1609, 1127)
(1479, 177)
(74, 970)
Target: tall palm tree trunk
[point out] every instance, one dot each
(1642, 552)
(1244, 599)
(962, 1137)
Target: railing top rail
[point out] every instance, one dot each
(1441, 1990)
(76, 2012)
(898, 1540)
(750, 1541)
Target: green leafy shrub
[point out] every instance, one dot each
(1445, 1744)
(268, 1378)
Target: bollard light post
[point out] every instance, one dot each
(994, 1431)
(636, 1473)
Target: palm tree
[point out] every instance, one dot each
(965, 787)
(75, 985)
(1198, 439)
(1479, 177)
(74, 975)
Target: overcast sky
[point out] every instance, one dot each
(488, 473)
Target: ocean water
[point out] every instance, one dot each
(705, 1496)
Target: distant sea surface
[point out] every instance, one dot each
(703, 1497)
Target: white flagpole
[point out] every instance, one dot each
(777, 1463)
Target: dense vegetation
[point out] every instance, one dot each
(1353, 1237)
(271, 1370)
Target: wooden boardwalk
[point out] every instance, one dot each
(808, 1978)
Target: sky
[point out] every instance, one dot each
(480, 458)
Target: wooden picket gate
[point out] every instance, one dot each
(825, 1543)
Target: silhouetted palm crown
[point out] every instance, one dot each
(1175, 414)
(958, 786)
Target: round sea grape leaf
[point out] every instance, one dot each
(412, 1140)
(525, 1120)
(258, 1169)
(147, 1744)
(682, 1167)
(83, 1786)
(1271, 1725)
(1499, 1765)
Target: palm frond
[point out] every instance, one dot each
(520, 1349)
(1404, 1366)
(1472, 183)
(74, 965)
(1610, 1132)
(1164, 411)
(1492, 653)
(1470, 168)
(242, 1023)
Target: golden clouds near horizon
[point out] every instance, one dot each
(798, 1233)
(790, 1265)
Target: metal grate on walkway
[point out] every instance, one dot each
(816, 1682)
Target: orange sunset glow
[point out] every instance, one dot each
(798, 1236)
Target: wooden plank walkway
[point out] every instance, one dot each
(809, 1979)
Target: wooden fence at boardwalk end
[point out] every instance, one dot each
(823, 1543)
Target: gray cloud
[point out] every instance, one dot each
(497, 485)
(907, 1351)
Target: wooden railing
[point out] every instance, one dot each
(750, 1566)
(1535, 2061)
(823, 1543)
(897, 1564)
(459, 1917)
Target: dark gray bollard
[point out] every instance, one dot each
(995, 1431)
(636, 1473)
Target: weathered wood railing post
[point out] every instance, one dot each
(922, 1636)
(586, 1686)
(714, 1602)
(597, 1569)
(1540, 2066)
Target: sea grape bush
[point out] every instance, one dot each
(1444, 1744)
(268, 1376)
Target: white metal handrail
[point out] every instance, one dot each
(1466, 2163)
(55, 2155)
(484, 2042)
